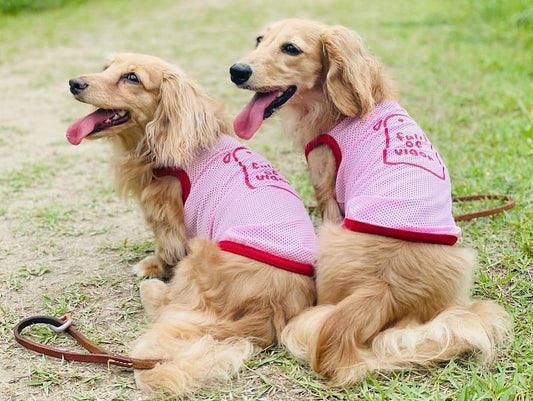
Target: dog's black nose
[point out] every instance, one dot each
(77, 85)
(240, 73)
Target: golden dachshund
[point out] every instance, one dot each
(392, 291)
(228, 228)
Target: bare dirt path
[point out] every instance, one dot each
(67, 241)
(58, 216)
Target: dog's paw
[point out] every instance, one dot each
(153, 295)
(152, 290)
(149, 266)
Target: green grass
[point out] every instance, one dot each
(131, 252)
(27, 176)
(466, 72)
(28, 6)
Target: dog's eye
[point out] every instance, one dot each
(258, 40)
(132, 77)
(289, 48)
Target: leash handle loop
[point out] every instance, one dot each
(96, 353)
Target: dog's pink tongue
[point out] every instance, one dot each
(85, 125)
(250, 118)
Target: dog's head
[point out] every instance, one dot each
(296, 62)
(146, 103)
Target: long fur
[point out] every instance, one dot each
(383, 303)
(219, 308)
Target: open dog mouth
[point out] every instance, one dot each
(95, 122)
(279, 101)
(262, 106)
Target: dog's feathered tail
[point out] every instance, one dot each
(406, 304)
(326, 336)
(188, 363)
(207, 325)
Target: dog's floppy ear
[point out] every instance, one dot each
(353, 76)
(184, 122)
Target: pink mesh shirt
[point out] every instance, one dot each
(236, 198)
(390, 180)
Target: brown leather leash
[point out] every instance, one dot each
(96, 353)
(510, 202)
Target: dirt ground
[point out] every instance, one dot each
(54, 231)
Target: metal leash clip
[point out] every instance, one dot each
(67, 318)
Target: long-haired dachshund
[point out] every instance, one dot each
(229, 229)
(392, 290)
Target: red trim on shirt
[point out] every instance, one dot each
(180, 175)
(268, 258)
(328, 140)
(406, 235)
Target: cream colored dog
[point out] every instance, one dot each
(226, 299)
(391, 288)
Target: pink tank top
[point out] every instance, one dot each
(390, 179)
(236, 198)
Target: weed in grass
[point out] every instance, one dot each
(43, 378)
(47, 246)
(58, 305)
(131, 252)
(122, 391)
(24, 272)
(79, 396)
(129, 308)
(51, 218)
(12, 129)
(27, 176)
(14, 283)
(42, 334)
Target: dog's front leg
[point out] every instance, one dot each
(323, 173)
(163, 210)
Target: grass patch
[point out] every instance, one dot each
(27, 176)
(30, 6)
(52, 217)
(131, 251)
(44, 379)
